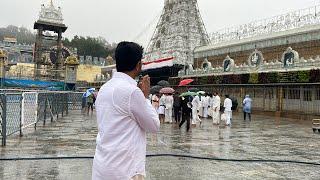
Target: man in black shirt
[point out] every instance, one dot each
(186, 111)
(177, 108)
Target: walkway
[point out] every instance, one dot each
(264, 138)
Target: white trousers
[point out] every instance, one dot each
(228, 117)
(205, 112)
(168, 115)
(195, 116)
(201, 111)
(215, 116)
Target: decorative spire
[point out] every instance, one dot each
(51, 14)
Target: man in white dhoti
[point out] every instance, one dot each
(124, 115)
(200, 107)
(205, 105)
(215, 106)
(195, 107)
(210, 105)
(227, 109)
(161, 109)
(168, 110)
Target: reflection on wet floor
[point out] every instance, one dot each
(264, 138)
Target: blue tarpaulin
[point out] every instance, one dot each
(55, 86)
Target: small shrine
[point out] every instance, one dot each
(50, 19)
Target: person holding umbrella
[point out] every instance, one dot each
(168, 102)
(186, 110)
(168, 108)
(90, 99)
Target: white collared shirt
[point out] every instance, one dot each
(124, 116)
(205, 101)
(227, 104)
(169, 102)
(195, 102)
(216, 101)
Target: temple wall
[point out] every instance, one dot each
(305, 41)
(307, 50)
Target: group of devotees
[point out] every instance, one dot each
(193, 108)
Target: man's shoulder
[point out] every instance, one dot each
(120, 85)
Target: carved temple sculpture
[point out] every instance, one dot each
(285, 22)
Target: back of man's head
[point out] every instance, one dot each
(128, 55)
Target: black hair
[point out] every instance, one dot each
(227, 96)
(128, 55)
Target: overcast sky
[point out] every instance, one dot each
(118, 20)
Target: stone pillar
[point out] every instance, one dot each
(280, 99)
(59, 63)
(38, 53)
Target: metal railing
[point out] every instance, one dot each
(19, 110)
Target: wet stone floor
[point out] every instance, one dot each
(265, 138)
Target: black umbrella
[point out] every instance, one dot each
(155, 89)
(194, 90)
(164, 83)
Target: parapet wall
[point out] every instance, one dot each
(304, 40)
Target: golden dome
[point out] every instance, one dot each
(72, 60)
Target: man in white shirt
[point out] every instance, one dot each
(161, 110)
(168, 109)
(205, 105)
(195, 107)
(200, 106)
(215, 106)
(227, 109)
(124, 115)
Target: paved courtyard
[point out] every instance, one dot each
(265, 138)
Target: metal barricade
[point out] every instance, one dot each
(13, 113)
(24, 109)
(41, 109)
(3, 122)
(75, 101)
(29, 109)
(10, 105)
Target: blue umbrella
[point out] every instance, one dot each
(89, 92)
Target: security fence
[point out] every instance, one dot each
(287, 98)
(75, 101)
(19, 110)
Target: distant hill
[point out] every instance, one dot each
(23, 35)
